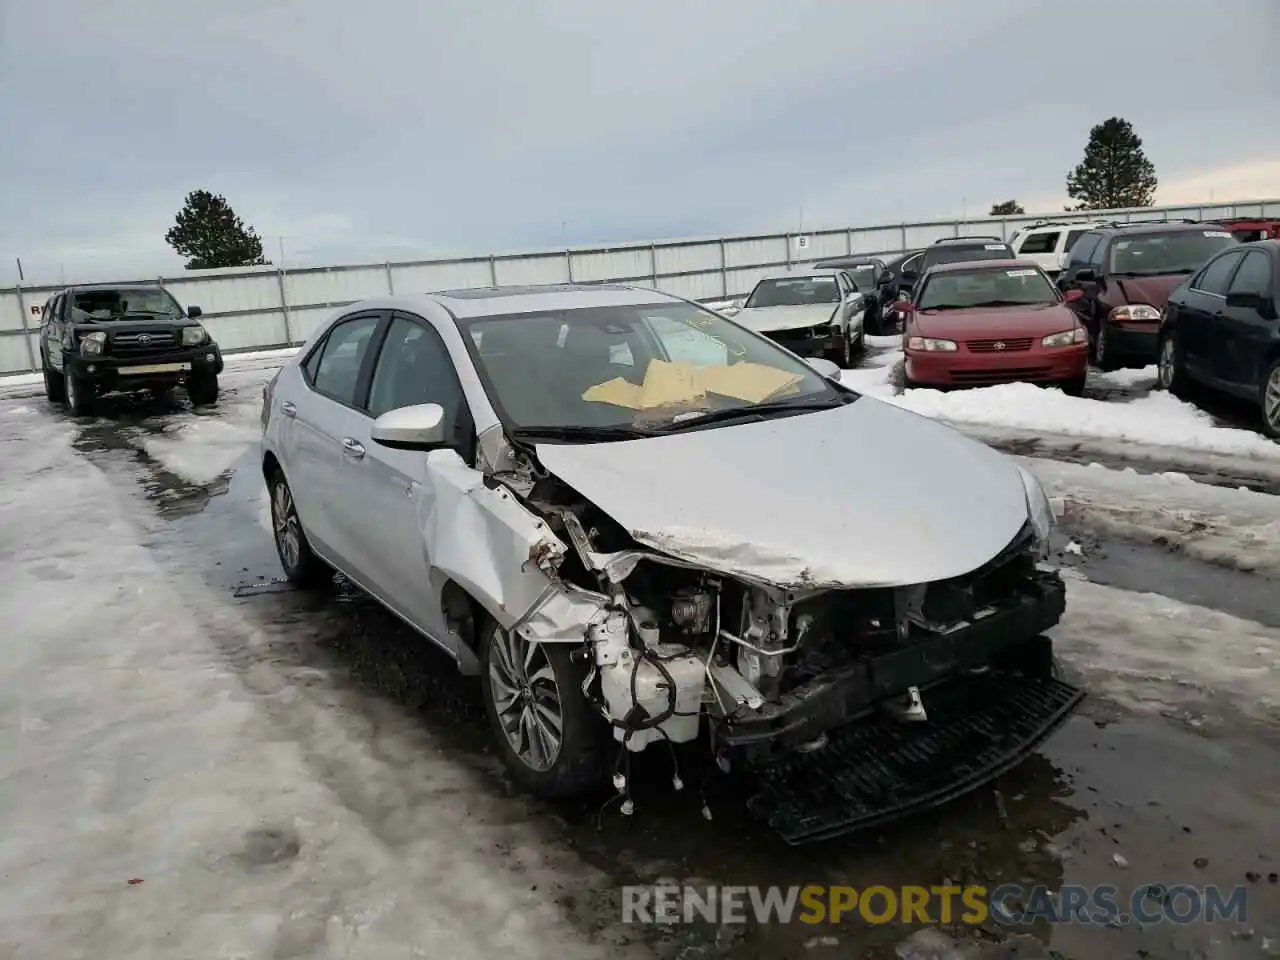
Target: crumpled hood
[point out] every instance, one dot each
(863, 495)
(1152, 290)
(768, 319)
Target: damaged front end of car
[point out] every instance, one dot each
(895, 697)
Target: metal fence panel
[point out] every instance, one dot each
(13, 355)
(255, 291)
(240, 331)
(538, 268)
(611, 264)
(412, 278)
(12, 308)
(334, 285)
(693, 286)
(687, 257)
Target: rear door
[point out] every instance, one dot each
(1200, 316)
(1247, 332)
(386, 516)
(336, 377)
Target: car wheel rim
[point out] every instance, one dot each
(526, 699)
(288, 530)
(73, 392)
(1271, 400)
(848, 352)
(1102, 343)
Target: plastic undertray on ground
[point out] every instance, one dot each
(881, 769)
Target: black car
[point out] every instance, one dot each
(954, 250)
(872, 277)
(102, 338)
(1221, 329)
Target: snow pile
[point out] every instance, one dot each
(1234, 528)
(1156, 655)
(200, 449)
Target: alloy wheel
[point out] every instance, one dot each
(526, 699)
(73, 394)
(1271, 400)
(288, 530)
(848, 351)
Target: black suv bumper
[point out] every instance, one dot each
(158, 369)
(843, 694)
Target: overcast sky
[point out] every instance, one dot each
(397, 128)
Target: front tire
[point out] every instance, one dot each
(1103, 358)
(301, 566)
(202, 389)
(549, 736)
(82, 394)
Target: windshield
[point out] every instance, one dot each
(957, 253)
(794, 292)
(864, 276)
(114, 304)
(636, 366)
(1160, 254)
(986, 288)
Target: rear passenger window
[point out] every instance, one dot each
(1254, 275)
(1083, 248)
(341, 357)
(1213, 278)
(1072, 237)
(1040, 243)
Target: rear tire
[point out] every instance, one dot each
(548, 735)
(301, 566)
(82, 395)
(202, 389)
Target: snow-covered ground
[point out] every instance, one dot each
(1157, 418)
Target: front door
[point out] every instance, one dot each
(393, 509)
(1200, 319)
(1248, 330)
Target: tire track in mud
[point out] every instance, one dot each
(411, 762)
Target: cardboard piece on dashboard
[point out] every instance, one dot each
(674, 384)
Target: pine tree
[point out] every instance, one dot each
(209, 234)
(1006, 208)
(1115, 172)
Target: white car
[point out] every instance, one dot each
(641, 523)
(812, 311)
(1047, 242)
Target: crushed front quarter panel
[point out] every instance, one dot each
(487, 541)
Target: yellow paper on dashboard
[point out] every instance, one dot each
(679, 384)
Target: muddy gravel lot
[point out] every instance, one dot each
(197, 761)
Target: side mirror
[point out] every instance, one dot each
(1086, 276)
(194, 312)
(825, 367)
(1247, 300)
(885, 277)
(906, 308)
(420, 427)
(1071, 296)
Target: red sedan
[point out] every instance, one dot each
(981, 322)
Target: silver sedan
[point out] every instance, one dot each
(639, 521)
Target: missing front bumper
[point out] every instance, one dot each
(879, 770)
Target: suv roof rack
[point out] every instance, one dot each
(1135, 223)
(989, 236)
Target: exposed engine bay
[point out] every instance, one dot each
(772, 668)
